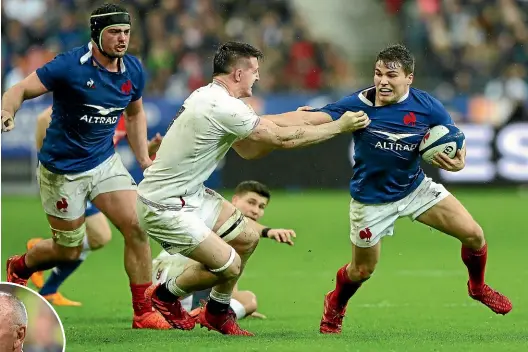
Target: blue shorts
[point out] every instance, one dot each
(90, 209)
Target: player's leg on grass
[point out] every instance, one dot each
(216, 261)
(232, 228)
(98, 234)
(240, 233)
(244, 304)
(63, 198)
(349, 279)
(451, 217)
(119, 208)
(66, 246)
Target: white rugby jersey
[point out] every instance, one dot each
(202, 132)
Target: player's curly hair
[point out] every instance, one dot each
(400, 54)
(253, 186)
(229, 53)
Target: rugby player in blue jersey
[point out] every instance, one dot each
(388, 183)
(92, 86)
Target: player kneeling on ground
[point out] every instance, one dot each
(251, 198)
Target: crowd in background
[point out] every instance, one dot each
(176, 40)
(464, 48)
(470, 47)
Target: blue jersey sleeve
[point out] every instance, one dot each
(338, 108)
(439, 114)
(54, 72)
(140, 83)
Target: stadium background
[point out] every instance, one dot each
(471, 54)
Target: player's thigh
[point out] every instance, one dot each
(181, 232)
(113, 192)
(97, 229)
(451, 217)
(236, 229)
(369, 223)
(228, 222)
(63, 198)
(118, 207)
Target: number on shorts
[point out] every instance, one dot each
(182, 109)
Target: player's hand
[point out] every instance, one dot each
(258, 315)
(304, 108)
(8, 121)
(443, 161)
(282, 235)
(154, 144)
(352, 121)
(145, 163)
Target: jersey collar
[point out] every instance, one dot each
(364, 99)
(84, 59)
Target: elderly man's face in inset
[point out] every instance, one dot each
(11, 335)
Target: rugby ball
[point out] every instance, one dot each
(447, 139)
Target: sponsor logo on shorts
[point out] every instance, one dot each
(158, 274)
(365, 234)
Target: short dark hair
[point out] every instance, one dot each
(108, 8)
(229, 53)
(400, 54)
(253, 186)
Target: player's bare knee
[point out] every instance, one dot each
(234, 270)
(98, 239)
(231, 269)
(361, 272)
(132, 232)
(474, 236)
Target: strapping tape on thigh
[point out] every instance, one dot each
(71, 238)
(233, 226)
(226, 265)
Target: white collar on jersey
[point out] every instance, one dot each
(364, 99)
(88, 55)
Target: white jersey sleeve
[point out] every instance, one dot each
(238, 118)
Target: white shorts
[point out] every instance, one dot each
(370, 222)
(65, 196)
(180, 229)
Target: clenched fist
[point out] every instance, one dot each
(8, 121)
(352, 121)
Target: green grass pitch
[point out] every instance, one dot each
(416, 300)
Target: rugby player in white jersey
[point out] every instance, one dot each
(180, 213)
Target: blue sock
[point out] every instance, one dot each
(58, 275)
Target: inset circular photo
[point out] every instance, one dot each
(28, 322)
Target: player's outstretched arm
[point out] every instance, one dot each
(29, 88)
(301, 117)
(136, 128)
(268, 133)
